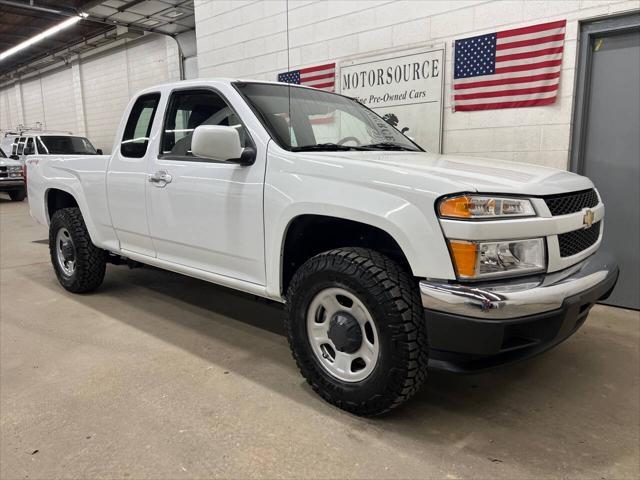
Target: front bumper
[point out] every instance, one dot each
(475, 326)
(10, 185)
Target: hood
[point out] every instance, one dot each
(452, 173)
(5, 162)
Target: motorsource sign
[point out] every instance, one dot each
(405, 88)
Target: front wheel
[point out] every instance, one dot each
(78, 263)
(356, 330)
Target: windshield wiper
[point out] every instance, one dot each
(327, 147)
(388, 146)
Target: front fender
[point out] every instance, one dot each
(411, 223)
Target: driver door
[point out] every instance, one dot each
(205, 214)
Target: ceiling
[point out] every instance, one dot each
(22, 19)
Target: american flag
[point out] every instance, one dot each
(512, 68)
(321, 76)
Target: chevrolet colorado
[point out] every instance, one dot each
(389, 259)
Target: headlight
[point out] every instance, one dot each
(484, 206)
(476, 260)
(15, 168)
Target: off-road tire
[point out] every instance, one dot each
(18, 195)
(390, 294)
(90, 260)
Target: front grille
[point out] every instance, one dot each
(572, 243)
(3, 168)
(572, 202)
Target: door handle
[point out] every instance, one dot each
(160, 178)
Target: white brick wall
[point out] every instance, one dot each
(89, 96)
(78, 99)
(248, 39)
(105, 87)
(58, 103)
(32, 104)
(10, 113)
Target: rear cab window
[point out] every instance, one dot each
(138, 128)
(65, 145)
(42, 150)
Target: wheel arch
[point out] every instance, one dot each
(57, 197)
(309, 234)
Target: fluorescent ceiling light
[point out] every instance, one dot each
(41, 36)
(173, 14)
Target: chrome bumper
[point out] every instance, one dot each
(519, 297)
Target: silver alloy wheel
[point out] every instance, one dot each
(65, 252)
(337, 306)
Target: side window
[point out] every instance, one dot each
(190, 109)
(29, 148)
(138, 128)
(21, 145)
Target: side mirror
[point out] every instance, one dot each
(99, 151)
(14, 157)
(221, 143)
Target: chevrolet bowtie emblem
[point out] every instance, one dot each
(587, 220)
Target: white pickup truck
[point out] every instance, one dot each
(390, 260)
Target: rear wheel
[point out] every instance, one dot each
(78, 263)
(356, 330)
(18, 195)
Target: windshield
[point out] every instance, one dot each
(66, 145)
(316, 120)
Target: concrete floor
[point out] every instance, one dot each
(161, 376)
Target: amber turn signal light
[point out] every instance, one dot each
(455, 207)
(465, 256)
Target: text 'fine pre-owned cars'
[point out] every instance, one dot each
(390, 260)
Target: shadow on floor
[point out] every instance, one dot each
(4, 198)
(538, 404)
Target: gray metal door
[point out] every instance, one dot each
(609, 152)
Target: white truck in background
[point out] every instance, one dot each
(22, 143)
(390, 260)
(12, 178)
